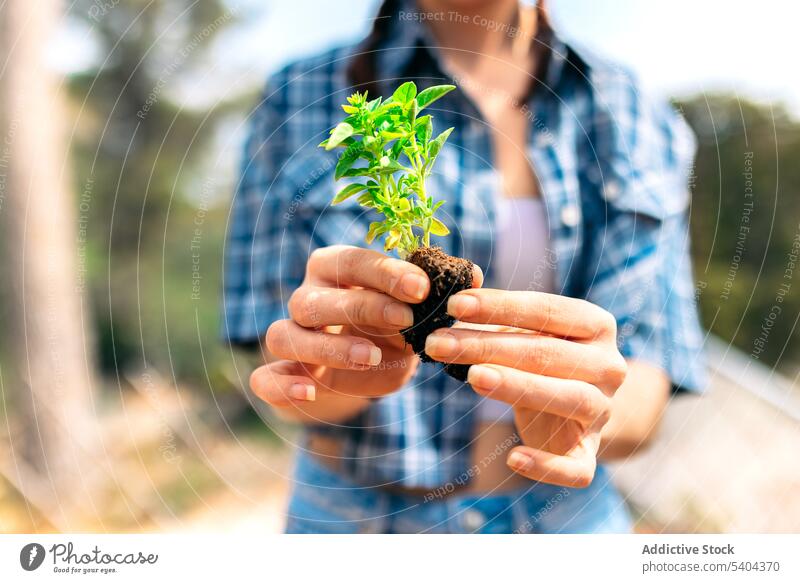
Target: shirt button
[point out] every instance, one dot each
(473, 519)
(611, 190)
(569, 215)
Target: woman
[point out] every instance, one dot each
(566, 185)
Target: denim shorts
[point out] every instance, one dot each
(323, 501)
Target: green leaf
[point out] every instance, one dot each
(392, 240)
(357, 98)
(340, 133)
(388, 106)
(437, 144)
(353, 172)
(439, 228)
(347, 192)
(424, 128)
(431, 94)
(413, 110)
(397, 148)
(389, 166)
(347, 159)
(405, 93)
(375, 229)
(366, 200)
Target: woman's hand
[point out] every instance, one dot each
(342, 338)
(342, 342)
(554, 359)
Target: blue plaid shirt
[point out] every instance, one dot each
(612, 166)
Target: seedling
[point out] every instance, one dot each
(390, 149)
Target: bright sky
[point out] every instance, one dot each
(678, 47)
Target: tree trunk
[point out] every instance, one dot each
(45, 335)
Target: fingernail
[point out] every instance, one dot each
(484, 377)
(397, 314)
(303, 392)
(462, 306)
(414, 285)
(477, 273)
(441, 344)
(365, 354)
(519, 461)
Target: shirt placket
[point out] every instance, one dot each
(554, 160)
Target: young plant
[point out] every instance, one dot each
(390, 147)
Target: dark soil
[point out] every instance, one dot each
(448, 275)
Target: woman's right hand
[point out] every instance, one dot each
(342, 343)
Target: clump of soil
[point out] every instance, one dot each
(449, 275)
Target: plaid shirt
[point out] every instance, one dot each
(612, 167)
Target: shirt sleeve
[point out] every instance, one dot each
(640, 249)
(264, 257)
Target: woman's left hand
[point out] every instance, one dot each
(554, 359)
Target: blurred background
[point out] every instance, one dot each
(121, 126)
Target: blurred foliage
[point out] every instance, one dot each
(744, 246)
(148, 195)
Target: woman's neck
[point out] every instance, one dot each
(486, 47)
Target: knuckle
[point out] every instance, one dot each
(604, 413)
(538, 355)
(304, 307)
(349, 259)
(325, 348)
(507, 310)
(478, 349)
(614, 371)
(585, 477)
(316, 258)
(359, 311)
(595, 407)
(588, 405)
(256, 381)
(275, 336)
(547, 308)
(294, 304)
(607, 322)
(388, 276)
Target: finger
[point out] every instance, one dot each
(280, 385)
(566, 398)
(535, 353)
(343, 265)
(386, 338)
(287, 340)
(477, 276)
(542, 466)
(313, 307)
(542, 312)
